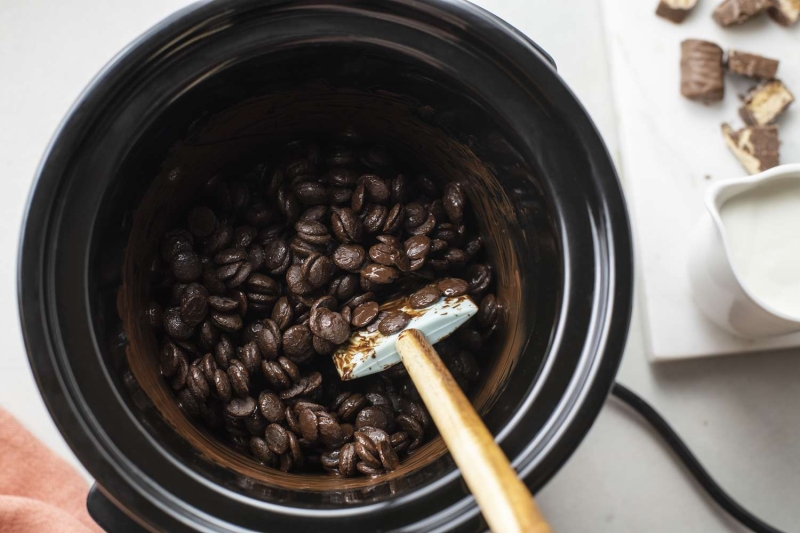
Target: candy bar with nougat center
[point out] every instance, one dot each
(785, 12)
(675, 10)
(756, 147)
(765, 103)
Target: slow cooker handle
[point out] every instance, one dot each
(108, 516)
(544, 53)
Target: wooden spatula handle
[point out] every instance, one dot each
(505, 501)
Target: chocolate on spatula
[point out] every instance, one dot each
(732, 12)
(752, 65)
(369, 351)
(765, 103)
(701, 71)
(756, 147)
(785, 12)
(675, 10)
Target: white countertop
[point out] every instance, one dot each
(738, 414)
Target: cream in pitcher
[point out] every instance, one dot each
(744, 261)
(762, 229)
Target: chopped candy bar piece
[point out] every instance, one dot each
(732, 12)
(701, 71)
(785, 12)
(765, 103)
(752, 65)
(756, 147)
(675, 10)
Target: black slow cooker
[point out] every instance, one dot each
(439, 80)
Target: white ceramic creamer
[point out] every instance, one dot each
(744, 259)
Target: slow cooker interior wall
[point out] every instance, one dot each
(320, 109)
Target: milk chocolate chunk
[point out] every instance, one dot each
(732, 12)
(756, 147)
(765, 103)
(701, 71)
(675, 10)
(752, 65)
(785, 12)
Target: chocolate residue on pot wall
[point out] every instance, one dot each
(319, 111)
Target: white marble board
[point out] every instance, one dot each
(672, 150)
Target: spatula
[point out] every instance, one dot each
(504, 500)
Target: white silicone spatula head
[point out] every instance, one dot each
(366, 352)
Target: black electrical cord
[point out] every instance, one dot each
(687, 457)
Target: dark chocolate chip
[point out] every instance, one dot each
(240, 407)
(380, 274)
(424, 297)
(394, 322)
(364, 314)
(453, 287)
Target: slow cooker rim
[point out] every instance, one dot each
(40, 342)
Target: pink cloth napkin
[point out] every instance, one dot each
(39, 491)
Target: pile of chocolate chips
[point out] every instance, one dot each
(275, 267)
